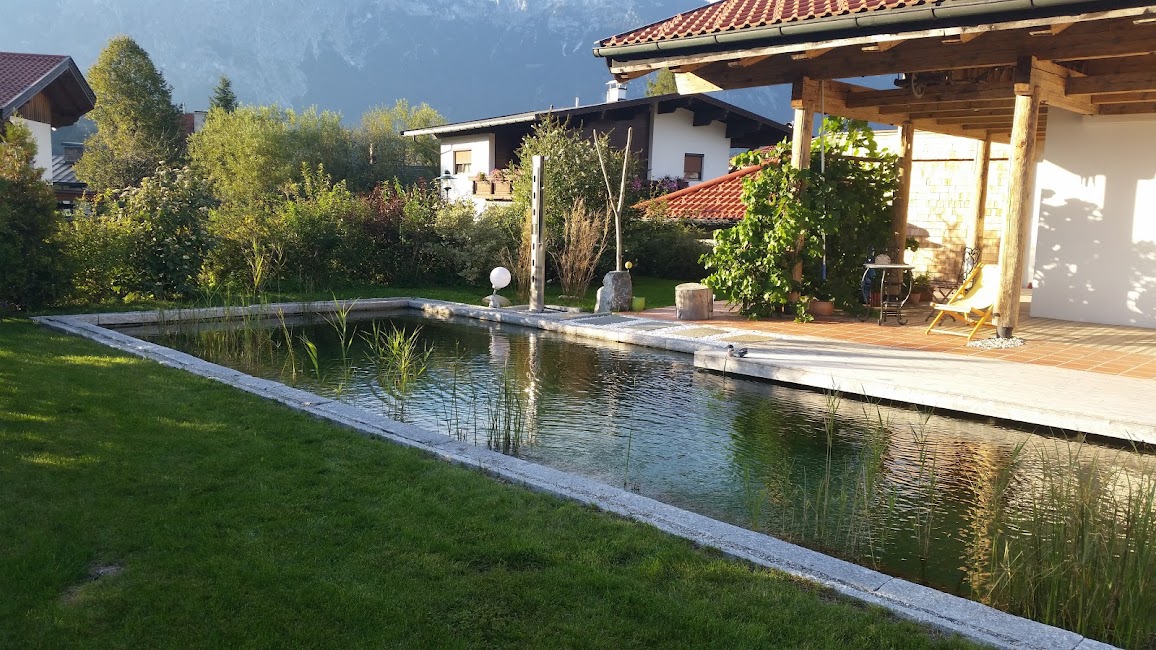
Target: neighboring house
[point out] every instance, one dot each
(192, 122)
(45, 91)
(716, 203)
(68, 188)
(1067, 84)
(674, 136)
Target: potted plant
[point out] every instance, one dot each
(502, 184)
(921, 288)
(482, 185)
(818, 300)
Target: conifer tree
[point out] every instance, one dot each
(138, 126)
(223, 96)
(662, 83)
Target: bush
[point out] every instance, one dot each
(30, 269)
(320, 229)
(665, 248)
(149, 241)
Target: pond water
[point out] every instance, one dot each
(974, 508)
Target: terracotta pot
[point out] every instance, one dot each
(821, 307)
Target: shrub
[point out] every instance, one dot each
(30, 269)
(149, 240)
(665, 248)
(320, 227)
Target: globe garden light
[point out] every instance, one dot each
(499, 279)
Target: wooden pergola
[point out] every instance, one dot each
(983, 70)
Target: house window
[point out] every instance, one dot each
(692, 167)
(462, 160)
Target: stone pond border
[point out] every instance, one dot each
(923, 604)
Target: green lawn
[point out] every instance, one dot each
(222, 520)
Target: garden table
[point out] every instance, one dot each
(892, 296)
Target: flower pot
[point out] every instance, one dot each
(483, 187)
(637, 303)
(821, 307)
(503, 188)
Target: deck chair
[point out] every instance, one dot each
(972, 303)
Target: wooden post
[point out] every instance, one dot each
(982, 167)
(902, 198)
(1020, 198)
(803, 99)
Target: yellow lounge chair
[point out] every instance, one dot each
(972, 303)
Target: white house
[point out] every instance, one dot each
(690, 138)
(44, 91)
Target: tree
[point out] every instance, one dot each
(662, 83)
(223, 97)
(138, 127)
(30, 271)
(405, 159)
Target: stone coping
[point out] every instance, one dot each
(920, 603)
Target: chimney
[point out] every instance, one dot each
(615, 92)
(72, 151)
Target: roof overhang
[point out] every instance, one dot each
(67, 90)
(962, 73)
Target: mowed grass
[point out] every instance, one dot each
(144, 507)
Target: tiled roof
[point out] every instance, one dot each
(731, 15)
(19, 72)
(719, 200)
(23, 76)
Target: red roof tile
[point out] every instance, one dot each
(732, 15)
(19, 72)
(717, 200)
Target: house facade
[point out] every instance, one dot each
(691, 138)
(44, 92)
(1067, 85)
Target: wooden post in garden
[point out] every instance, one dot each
(1020, 198)
(982, 168)
(804, 97)
(537, 237)
(903, 192)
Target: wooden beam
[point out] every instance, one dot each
(979, 194)
(1125, 82)
(882, 46)
(902, 198)
(1013, 249)
(801, 133)
(1053, 81)
(1124, 98)
(1050, 30)
(749, 61)
(1001, 111)
(1128, 109)
(964, 92)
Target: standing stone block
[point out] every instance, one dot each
(616, 292)
(693, 301)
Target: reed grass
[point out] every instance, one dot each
(399, 362)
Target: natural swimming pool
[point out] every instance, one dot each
(980, 509)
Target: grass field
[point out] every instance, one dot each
(143, 507)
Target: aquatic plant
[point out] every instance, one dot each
(506, 423)
(399, 363)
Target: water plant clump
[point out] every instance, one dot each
(506, 424)
(399, 361)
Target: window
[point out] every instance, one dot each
(692, 167)
(462, 161)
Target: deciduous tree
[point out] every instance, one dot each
(138, 126)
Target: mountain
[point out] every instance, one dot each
(467, 58)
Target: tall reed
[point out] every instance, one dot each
(399, 362)
(506, 427)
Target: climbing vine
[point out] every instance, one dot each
(829, 221)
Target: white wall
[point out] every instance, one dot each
(42, 134)
(1095, 256)
(481, 149)
(674, 137)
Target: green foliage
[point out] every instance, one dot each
(138, 127)
(153, 238)
(395, 157)
(97, 251)
(795, 216)
(320, 229)
(665, 248)
(223, 98)
(662, 83)
(30, 271)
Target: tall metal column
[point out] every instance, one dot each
(537, 227)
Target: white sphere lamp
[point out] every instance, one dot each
(499, 279)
